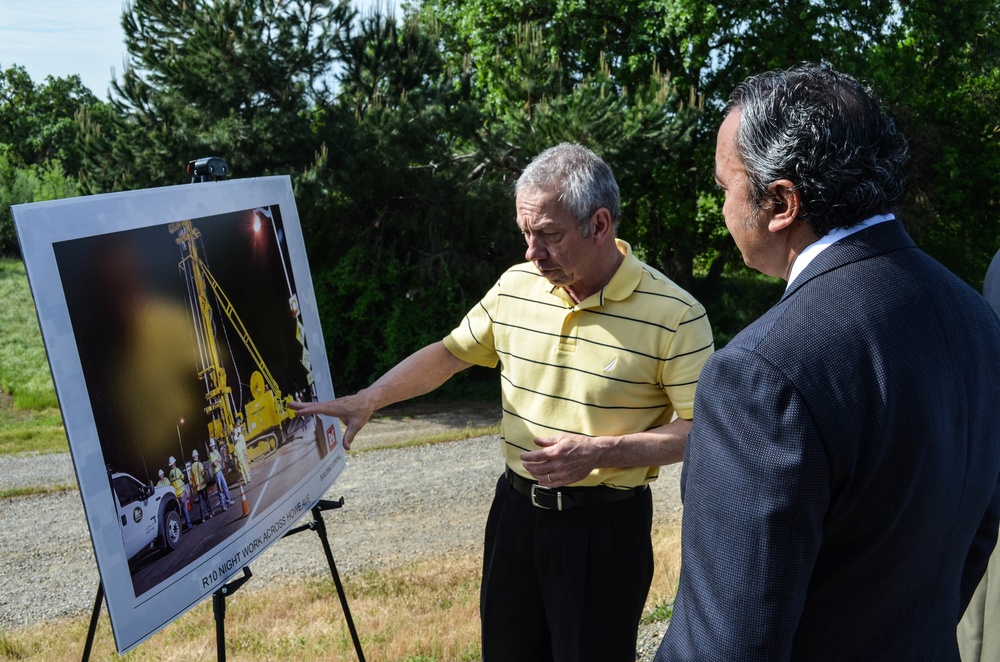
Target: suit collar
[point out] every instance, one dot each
(875, 240)
(810, 252)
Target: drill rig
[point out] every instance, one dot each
(267, 411)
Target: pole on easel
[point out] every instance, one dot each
(93, 622)
(319, 526)
(219, 608)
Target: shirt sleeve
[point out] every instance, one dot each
(686, 355)
(473, 341)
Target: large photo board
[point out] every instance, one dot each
(179, 323)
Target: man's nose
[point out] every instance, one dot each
(535, 251)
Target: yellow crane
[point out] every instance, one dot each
(267, 410)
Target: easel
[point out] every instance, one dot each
(219, 596)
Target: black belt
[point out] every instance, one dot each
(564, 498)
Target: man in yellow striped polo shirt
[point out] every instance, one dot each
(600, 356)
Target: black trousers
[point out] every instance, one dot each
(564, 586)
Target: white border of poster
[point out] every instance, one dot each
(212, 553)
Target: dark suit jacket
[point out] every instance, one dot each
(840, 483)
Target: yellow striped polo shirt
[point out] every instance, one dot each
(624, 360)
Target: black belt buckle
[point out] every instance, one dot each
(546, 497)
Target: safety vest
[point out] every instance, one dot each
(216, 461)
(177, 480)
(198, 476)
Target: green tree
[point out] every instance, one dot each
(403, 137)
(941, 77)
(703, 49)
(936, 63)
(38, 149)
(37, 120)
(21, 184)
(212, 77)
(643, 129)
(380, 163)
(409, 229)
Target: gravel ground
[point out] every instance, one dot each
(399, 505)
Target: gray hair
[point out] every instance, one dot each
(582, 179)
(827, 134)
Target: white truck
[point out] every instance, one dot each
(150, 517)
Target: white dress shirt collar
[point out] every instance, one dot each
(827, 240)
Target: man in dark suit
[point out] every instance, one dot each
(840, 481)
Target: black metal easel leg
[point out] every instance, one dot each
(219, 607)
(317, 513)
(93, 622)
(319, 526)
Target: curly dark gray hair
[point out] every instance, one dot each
(826, 133)
(583, 180)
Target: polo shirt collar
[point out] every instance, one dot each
(621, 285)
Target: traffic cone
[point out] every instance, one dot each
(243, 499)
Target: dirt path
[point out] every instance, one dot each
(402, 424)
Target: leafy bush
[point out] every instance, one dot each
(23, 184)
(377, 309)
(740, 297)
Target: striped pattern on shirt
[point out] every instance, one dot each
(624, 360)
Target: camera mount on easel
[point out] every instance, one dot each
(208, 169)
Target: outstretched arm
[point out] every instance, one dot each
(419, 373)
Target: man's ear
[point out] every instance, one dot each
(601, 226)
(785, 204)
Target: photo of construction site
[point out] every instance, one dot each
(192, 345)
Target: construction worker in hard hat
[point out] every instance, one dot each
(215, 464)
(162, 482)
(199, 481)
(176, 477)
(240, 451)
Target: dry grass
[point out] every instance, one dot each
(425, 612)
(37, 490)
(667, 552)
(468, 432)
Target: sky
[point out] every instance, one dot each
(64, 37)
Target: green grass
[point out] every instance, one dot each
(424, 611)
(660, 612)
(36, 490)
(30, 430)
(24, 368)
(30, 421)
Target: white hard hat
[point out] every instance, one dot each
(194, 453)
(211, 442)
(171, 460)
(161, 472)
